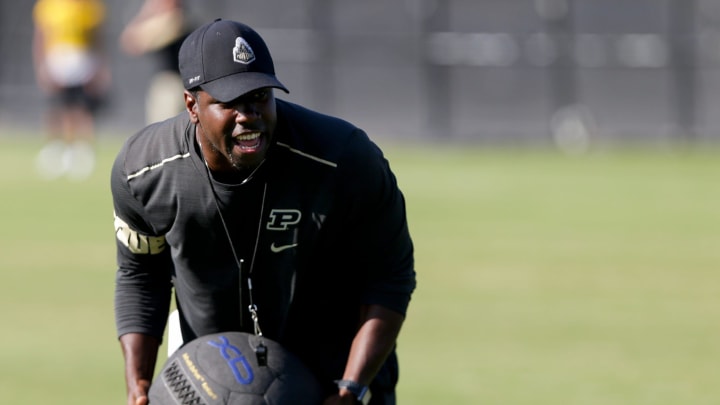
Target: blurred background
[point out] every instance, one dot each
(569, 72)
(559, 162)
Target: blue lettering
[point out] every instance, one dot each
(235, 360)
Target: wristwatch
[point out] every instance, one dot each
(361, 392)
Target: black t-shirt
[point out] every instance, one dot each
(320, 229)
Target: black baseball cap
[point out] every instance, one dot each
(226, 59)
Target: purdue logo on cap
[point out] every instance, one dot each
(242, 52)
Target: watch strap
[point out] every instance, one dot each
(361, 392)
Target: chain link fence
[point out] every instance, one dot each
(568, 72)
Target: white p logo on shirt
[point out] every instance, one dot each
(281, 219)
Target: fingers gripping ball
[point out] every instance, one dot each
(223, 369)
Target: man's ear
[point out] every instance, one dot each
(191, 105)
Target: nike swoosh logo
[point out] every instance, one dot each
(278, 249)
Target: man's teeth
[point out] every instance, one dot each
(248, 137)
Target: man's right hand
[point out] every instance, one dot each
(138, 395)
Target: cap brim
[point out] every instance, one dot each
(230, 87)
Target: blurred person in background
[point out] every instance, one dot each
(158, 29)
(72, 70)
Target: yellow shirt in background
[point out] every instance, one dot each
(68, 23)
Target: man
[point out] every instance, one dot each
(250, 202)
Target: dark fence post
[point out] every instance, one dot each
(323, 71)
(438, 118)
(681, 30)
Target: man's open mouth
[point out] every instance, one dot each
(248, 140)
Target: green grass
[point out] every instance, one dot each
(542, 279)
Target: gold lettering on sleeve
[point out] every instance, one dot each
(135, 241)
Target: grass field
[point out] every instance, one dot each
(543, 279)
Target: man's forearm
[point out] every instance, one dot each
(140, 352)
(373, 343)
